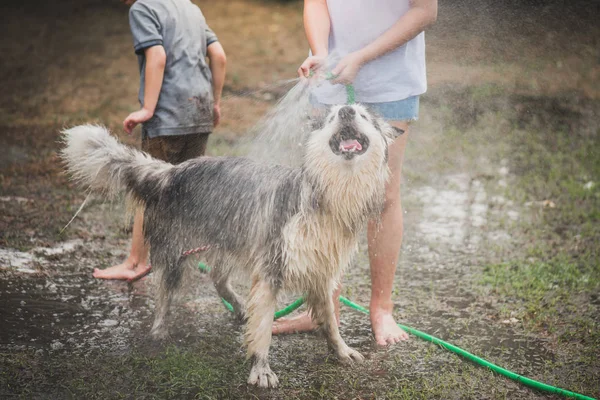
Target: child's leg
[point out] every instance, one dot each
(136, 265)
(173, 149)
(384, 249)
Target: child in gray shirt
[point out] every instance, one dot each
(179, 93)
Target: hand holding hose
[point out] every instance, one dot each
(311, 64)
(346, 70)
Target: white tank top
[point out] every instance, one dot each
(394, 76)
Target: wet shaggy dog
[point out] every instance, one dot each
(288, 228)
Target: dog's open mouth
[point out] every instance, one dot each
(350, 146)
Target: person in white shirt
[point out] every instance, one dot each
(381, 45)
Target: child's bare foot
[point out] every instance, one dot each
(300, 323)
(126, 271)
(385, 329)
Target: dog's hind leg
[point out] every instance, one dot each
(169, 280)
(322, 311)
(261, 306)
(223, 286)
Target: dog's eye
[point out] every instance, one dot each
(331, 118)
(364, 117)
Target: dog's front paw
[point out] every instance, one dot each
(263, 377)
(348, 355)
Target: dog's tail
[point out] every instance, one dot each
(99, 162)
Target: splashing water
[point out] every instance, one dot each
(280, 135)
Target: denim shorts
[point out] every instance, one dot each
(399, 110)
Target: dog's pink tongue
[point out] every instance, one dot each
(350, 145)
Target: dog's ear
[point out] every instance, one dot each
(397, 131)
(391, 132)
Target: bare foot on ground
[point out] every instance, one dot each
(127, 271)
(385, 329)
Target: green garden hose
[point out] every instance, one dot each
(478, 360)
(448, 346)
(350, 95)
(281, 313)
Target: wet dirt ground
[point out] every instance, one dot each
(475, 195)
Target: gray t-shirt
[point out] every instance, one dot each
(186, 100)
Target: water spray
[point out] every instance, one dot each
(350, 94)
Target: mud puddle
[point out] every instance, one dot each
(68, 312)
(49, 301)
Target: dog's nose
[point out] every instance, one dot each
(346, 113)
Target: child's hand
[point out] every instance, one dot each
(311, 63)
(136, 118)
(345, 71)
(216, 114)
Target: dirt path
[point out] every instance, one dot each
(500, 255)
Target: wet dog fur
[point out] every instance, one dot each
(288, 228)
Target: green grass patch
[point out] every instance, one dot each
(554, 155)
(541, 286)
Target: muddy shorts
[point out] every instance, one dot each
(177, 148)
